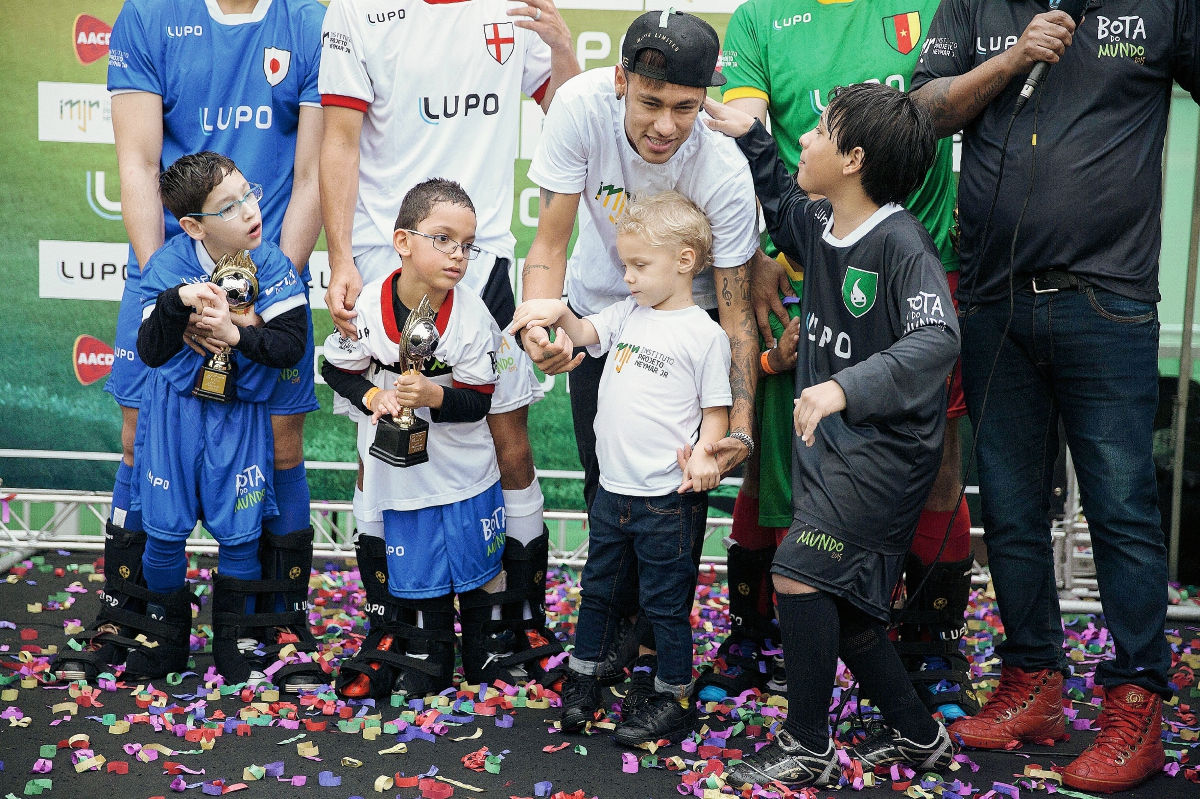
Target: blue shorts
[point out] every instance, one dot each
(294, 393)
(456, 547)
(197, 460)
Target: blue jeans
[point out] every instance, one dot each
(655, 535)
(1089, 357)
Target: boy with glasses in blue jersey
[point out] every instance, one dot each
(206, 455)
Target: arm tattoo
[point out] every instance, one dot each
(738, 321)
(525, 272)
(548, 197)
(935, 97)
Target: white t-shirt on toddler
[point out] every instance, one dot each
(663, 368)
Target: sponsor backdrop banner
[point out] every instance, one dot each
(63, 247)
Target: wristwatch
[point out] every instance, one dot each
(745, 439)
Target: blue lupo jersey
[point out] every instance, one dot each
(230, 83)
(182, 260)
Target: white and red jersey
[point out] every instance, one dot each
(462, 455)
(440, 82)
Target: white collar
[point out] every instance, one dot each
(206, 261)
(220, 17)
(866, 227)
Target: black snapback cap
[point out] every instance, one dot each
(689, 44)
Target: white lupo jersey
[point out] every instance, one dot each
(440, 84)
(462, 455)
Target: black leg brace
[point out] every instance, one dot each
(397, 655)
(109, 639)
(932, 624)
(280, 619)
(740, 665)
(512, 649)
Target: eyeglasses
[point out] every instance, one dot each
(252, 196)
(443, 243)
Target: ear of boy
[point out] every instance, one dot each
(193, 228)
(853, 162)
(687, 261)
(402, 243)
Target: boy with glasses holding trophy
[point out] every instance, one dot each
(428, 505)
(204, 441)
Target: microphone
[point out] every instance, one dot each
(1075, 8)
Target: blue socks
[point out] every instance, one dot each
(122, 516)
(293, 499)
(241, 562)
(164, 565)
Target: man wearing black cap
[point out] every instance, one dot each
(610, 139)
(584, 164)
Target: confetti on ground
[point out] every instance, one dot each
(167, 732)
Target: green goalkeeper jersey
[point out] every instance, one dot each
(792, 53)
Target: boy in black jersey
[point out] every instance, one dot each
(879, 340)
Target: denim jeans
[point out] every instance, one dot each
(657, 535)
(1089, 357)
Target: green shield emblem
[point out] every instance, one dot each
(858, 290)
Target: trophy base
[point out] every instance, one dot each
(216, 385)
(398, 446)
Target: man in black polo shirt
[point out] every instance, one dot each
(1065, 309)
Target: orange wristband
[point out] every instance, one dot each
(370, 395)
(763, 361)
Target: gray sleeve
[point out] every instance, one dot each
(905, 378)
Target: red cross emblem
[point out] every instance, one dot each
(500, 40)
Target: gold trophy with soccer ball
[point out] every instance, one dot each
(401, 441)
(237, 276)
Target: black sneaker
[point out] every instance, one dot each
(777, 684)
(641, 685)
(621, 653)
(884, 746)
(580, 701)
(786, 761)
(659, 717)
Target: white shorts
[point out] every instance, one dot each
(518, 386)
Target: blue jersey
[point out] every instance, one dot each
(183, 260)
(232, 84)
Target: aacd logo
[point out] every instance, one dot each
(91, 38)
(93, 359)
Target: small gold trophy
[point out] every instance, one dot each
(237, 276)
(401, 441)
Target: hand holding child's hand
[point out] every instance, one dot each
(385, 403)
(418, 391)
(701, 473)
(729, 121)
(815, 403)
(537, 313)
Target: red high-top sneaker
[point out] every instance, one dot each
(1128, 749)
(1026, 706)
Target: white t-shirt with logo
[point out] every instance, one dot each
(441, 85)
(663, 367)
(584, 149)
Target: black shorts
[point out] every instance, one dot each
(862, 577)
